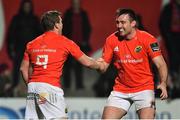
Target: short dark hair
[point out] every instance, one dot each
(128, 11)
(49, 19)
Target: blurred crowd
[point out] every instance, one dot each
(25, 26)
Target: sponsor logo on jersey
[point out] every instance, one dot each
(154, 47)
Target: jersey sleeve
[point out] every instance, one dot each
(75, 50)
(107, 51)
(153, 48)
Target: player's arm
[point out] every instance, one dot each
(163, 73)
(89, 62)
(84, 59)
(24, 69)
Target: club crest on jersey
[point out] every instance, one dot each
(138, 49)
(154, 47)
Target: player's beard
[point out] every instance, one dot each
(123, 33)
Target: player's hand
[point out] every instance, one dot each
(163, 88)
(100, 60)
(102, 67)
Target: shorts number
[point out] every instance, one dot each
(42, 60)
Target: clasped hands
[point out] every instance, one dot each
(102, 65)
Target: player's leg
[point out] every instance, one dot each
(146, 113)
(145, 104)
(117, 106)
(111, 112)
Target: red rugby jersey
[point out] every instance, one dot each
(131, 59)
(47, 53)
